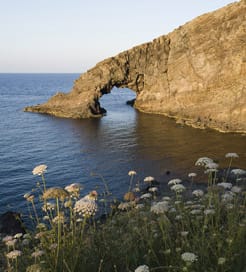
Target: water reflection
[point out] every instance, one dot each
(126, 139)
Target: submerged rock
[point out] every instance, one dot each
(196, 74)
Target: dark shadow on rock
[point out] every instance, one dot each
(11, 223)
(131, 102)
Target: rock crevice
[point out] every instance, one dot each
(196, 74)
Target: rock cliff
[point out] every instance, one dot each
(196, 74)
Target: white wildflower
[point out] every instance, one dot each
(59, 219)
(48, 206)
(73, 188)
(212, 165)
(11, 243)
(210, 170)
(166, 198)
(46, 218)
(225, 185)
(184, 233)
(192, 175)
(228, 196)
(124, 206)
(160, 207)
(7, 238)
(174, 181)
(178, 188)
(221, 260)
(198, 193)
(178, 217)
(209, 211)
(142, 268)
(18, 235)
(132, 173)
(195, 211)
(149, 179)
(231, 155)
(136, 189)
(13, 254)
(236, 189)
(203, 161)
(146, 196)
(153, 189)
(39, 170)
(37, 253)
(139, 206)
(55, 192)
(189, 257)
(87, 206)
(172, 210)
(238, 172)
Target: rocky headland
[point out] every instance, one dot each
(196, 74)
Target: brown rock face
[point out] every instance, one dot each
(197, 74)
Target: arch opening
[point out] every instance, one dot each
(117, 100)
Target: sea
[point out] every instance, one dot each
(99, 151)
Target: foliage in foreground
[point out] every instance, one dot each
(204, 232)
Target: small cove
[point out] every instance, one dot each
(123, 140)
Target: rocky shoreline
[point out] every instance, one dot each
(195, 74)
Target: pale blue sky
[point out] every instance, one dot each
(73, 35)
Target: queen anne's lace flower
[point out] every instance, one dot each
(195, 211)
(132, 173)
(209, 211)
(11, 243)
(228, 196)
(238, 172)
(189, 257)
(13, 254)
(198, 193)
(174, 181)
(221, 260)
(225, 185)
(37, 253)
(153, 189)
(178, 188)
(149, 179)
(212, 165)
(39, 170)
(192, 175)
(210, 170)
(203, 161)
(160, 207)
(236, 189)
(124, 206)
(231, 155)
(73, 188)
(87, 206)
(146, 196)
(55, 192)
(142, 268)
(7, 238)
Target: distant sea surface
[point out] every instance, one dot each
(123, 140)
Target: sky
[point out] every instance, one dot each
(71, 36)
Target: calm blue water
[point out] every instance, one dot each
(123, 140)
